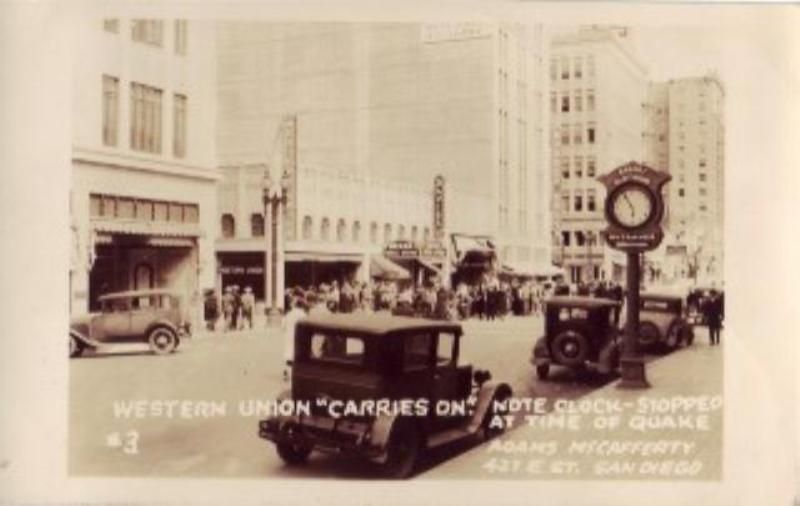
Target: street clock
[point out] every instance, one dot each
(634, 207)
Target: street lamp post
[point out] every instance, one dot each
(274, 199)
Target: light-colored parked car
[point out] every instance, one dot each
(663, 323)
(154, 317)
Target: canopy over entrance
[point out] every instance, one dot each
(382, 268)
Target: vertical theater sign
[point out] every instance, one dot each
(634, 209)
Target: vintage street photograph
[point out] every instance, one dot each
(453, 254)
(284, 231)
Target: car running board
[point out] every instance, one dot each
(450, 435)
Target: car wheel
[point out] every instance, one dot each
(294, 453)
(649, 335)
(75, 347)
(405, 445)
(162, 341)
(542, 371)
(570, 348)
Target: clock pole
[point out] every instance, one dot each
(632, 364)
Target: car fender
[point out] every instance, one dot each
(608, 358)
(161, 323)
(381, 430)
(84, 339)
(541, 353)
(483, 405)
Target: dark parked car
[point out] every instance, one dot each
(579, 332)
(154, 317)
(363, 360)
(662, 322)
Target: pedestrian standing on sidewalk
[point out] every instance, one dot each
(237, 307)
(297, 311)
(227, 308)
(713, 314)
(248, 304)
(210, 309)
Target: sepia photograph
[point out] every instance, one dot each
(481, 245)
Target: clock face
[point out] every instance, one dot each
(632, 207)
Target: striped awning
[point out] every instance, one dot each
(146, 228)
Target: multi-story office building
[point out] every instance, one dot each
(685, 136)
(143, 196)
(598, 87)
(394, 104)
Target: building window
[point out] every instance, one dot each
(591, 200)
(681, 192)
(702, 163)
(564, 68)
(591, 166)
(553, 70)
(702, 176)
(564, 164)
(565, 238)
(578, 203)
(578, 163)
(110, 110)
(565, 135)
(373, 233)
(553, 103)
(703, 191)
(308, 225)
(355, 233)
(387, 233)
(325, 229)
(580, 238)
(426, 234)
(341, 230)
(565, 103)
(578, 68)
(256, 225)
(590, 135)
(149, 31)
(228, 226)
(578, 101)
(111, 25)
(590, 100)
(414, 233)
(179, 126)
(578, 134)
(145, 118)
(703, 208)
(401, 232)
(565, 202)
(180, 36)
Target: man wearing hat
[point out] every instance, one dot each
(248, 304)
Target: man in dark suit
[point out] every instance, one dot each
(713, 314)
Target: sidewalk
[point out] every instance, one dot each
(693, 453)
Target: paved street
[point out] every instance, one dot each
(230, 370)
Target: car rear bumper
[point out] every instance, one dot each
(323, 433)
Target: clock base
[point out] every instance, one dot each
(633, 374)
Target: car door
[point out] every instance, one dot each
(451, 384)
(144, 311)
(114, 323)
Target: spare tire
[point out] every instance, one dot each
(649, 335)
(570, 348)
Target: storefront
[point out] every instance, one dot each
(424, 261)
(475, 259)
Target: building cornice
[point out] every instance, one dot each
(142, 164)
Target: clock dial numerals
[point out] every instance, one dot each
(632, 207)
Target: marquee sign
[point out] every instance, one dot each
(634, 207)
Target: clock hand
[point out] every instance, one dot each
(628, 200)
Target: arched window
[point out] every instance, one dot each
(373, 233)
(341, 230)
(228, 226)
(325, 229)
(426, 234)
(256, 225)
(387, 233)
(307, 227)
(401, 232)
(414, 233)
(356, 234)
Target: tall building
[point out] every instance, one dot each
(383, 104)
(685, 136)
(598, 87)
(143, 194)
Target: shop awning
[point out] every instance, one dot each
(383, 268)
(429, 266)
(135, 227)
(321, 256)
(473, 250)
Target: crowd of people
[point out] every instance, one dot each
(489, 300)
